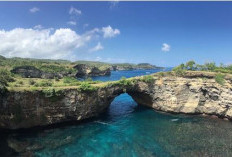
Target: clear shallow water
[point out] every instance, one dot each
(129, 130)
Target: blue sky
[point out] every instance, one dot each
(161, 33)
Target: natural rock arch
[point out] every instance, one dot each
(190, 94)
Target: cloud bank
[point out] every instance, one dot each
(61, 43)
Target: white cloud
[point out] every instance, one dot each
(63, 43)
(38, 27)
(73, 23)
(166, 47)
(74, 11)
(45, 43)
(34, 9)
(98, 47)
(109, 32)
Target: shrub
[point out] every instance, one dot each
(125, 82)
(31, 82)
(161, 74)
(57, 79)
(147, 78)
(70, 80)
(43, 83)
(5, 77)
(179, 71)
(95, 82)
(210, 66)
(52, 68)
(20, 82)
(219, 78)
(85, 86)
(190, 65)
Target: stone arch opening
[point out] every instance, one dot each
(139, 97)
(122, 104)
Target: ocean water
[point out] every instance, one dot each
(116, 75)
(127, 130)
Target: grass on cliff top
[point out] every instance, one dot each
(20, 83)
(32, 84)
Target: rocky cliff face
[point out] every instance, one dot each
(85, 70)
(141, 66)
(187, 95)
(32, 72)
(27, 71)
(194, 93)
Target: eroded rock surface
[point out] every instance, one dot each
(192, 94)
(33, 72)
(85, 70)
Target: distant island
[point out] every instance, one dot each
(50, 69)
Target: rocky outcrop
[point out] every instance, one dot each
(33, 72)
(127, 66)
(85, 70)
(118, 67)
(27, 71)
(191, 94)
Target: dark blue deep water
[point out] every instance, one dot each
(129, 130)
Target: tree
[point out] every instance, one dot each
(211, 66)
(5, 77)
(190, 65)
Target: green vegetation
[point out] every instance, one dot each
(179, 70)
(43, 83)
(31, 82)
(210, 66)
(5, 78)
(70, 80)
(45, 65)
(85, 86)
(56, 68)
(125, 82)
(147, 78)
(103, 65)
(219, 78)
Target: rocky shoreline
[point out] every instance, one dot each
(194, 93)
(81, 70)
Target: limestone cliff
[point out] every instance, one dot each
(85, 70)
(194, 93)
(33, 72)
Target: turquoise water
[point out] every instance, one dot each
(128, 130)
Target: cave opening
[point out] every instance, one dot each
(122, 105)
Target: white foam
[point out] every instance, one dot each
(174, 120)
